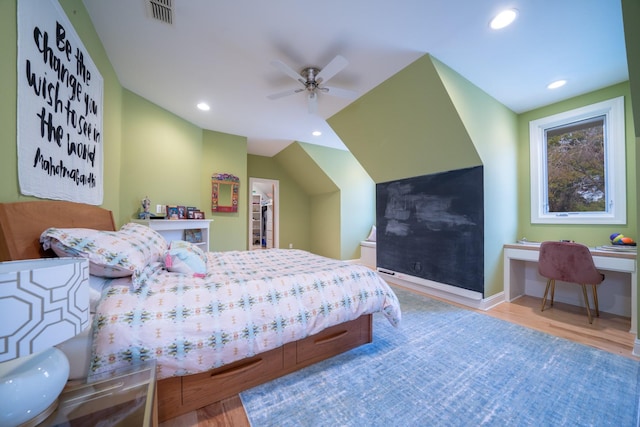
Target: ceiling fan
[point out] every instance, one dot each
(313, 80)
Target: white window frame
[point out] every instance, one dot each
(615, 165)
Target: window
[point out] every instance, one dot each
(578, 166)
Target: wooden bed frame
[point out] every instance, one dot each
(21, 224)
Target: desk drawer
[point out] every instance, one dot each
(614, 264)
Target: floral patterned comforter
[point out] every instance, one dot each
(248, 302)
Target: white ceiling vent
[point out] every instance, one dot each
(162, 10)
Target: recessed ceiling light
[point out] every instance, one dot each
(203, 106)
(556, 84)
(316, 133)
(503, 19)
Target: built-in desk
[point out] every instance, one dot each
(514, 286)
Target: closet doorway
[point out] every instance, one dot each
(264, 207)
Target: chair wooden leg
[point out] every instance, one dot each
(553, 291)
(595, 299)
(586, 302)
(546, 291)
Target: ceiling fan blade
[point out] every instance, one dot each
(287, 70)
(284, 93)
(336, 65)
(312, 102)
(342, 93)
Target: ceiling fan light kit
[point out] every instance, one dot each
(312, 79)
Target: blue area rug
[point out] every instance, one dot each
(447, 366)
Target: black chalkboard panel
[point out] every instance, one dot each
(432, 227)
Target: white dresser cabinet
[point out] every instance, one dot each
(181, 229)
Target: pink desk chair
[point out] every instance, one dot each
(569, 262)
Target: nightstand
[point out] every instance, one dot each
(123, 397)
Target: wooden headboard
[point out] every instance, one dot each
(21, 224)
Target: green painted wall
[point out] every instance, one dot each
(357, 200)
(160, 157)
(295, 203)
(493, 129)
(325, 224)
(171, 161)
(341, 197)
(324, 199)
(112, 121)
(590, 235)
(406, 126)
(225, 153)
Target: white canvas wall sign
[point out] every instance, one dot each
(60, 93)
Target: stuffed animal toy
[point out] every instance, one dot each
(185, 257)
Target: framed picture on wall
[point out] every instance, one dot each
(172, 212)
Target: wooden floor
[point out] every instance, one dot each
(608, 332)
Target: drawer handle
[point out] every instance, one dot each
(330, 338)
(237, 370)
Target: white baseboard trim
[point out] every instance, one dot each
(447, 292)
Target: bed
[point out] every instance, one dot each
(288, 309)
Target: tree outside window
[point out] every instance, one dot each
(576, 180)
(578, 166)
